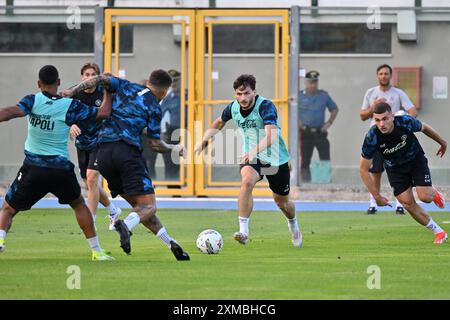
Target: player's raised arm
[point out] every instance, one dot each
(216, 126)
(433, 134)
(103, 80)
(8, 113)
(105, 108)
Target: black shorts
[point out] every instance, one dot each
(377, 163)
(411, 174)
(279, 177)
(87, 159)
(33, 183)
(124, 168)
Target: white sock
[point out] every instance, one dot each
(93, 243)
(373, 202)
(164, 236)
(132, 220)
(243, 225)
(2, 234)
(293, 225)
(398, 204)
(433, 226)
(111, 208)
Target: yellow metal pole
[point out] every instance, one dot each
(116, 50)
(210, 51)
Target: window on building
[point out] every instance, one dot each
(54, 38)
(351, 38)
(242, 38)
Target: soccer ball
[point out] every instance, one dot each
(209, 241)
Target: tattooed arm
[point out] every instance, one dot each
(103, 80)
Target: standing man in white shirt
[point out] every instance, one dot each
(398, 101)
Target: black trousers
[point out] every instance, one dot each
(312, 138)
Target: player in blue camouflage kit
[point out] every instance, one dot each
(405, 164)
(47, 167)
(119, 155)
(86, 134)
(264, 154)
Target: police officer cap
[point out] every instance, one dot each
(312, 75)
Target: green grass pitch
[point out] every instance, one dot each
(332, 264)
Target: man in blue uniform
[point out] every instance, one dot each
(86, 134)
(47, 168)
(119, 155)
(313, 128)
(264, 154)
(405, 164)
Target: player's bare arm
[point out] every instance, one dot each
(270, 138)
(8, 113)
(102, 80)
(433, 134)
(364, 166)
(216, 126)
(160, 146)
(105, 109)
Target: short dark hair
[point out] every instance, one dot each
(90, 65)
(384, 66)
(160, 79)
(382, 107)
(48, 75)
(245, 80)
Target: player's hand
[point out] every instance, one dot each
(377, 101)
(382, 201)
(67, 93)
(180, 149)
(325, 127)
(200, 146)
(247, 158)
(442, 149)
(75, 131)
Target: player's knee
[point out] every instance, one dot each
(425, 197)
(146, 210)
(407, 203)
(92, 181)
(247, 183)
(8, 210)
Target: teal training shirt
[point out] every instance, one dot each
(251, 128)
(49, 121)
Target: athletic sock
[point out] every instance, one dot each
(243, 225)
(2, 234)
(373, 202)
(93, 243)
(164, 236)
(293, 225)
(433, 226)
(111, 209)
(132, 220)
